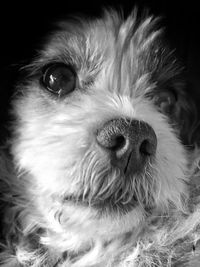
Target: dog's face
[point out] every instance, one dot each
(98, 127)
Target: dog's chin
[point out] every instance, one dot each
(102, 220)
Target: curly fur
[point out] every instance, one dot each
(62, 202)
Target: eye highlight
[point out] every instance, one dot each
(59, 79)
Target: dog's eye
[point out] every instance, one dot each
(59, 79)
(166, 101)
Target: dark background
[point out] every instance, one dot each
(23, 26)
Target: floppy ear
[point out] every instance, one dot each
(187, 117)
(173, 100)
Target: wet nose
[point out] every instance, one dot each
(129, 143)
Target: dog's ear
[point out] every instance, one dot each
(185, 115)
(174, 101)
(189, 118)
(188, 122)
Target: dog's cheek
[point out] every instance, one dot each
(170, 166)
(49, 162)
(44, 147)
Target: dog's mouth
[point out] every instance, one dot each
(115, 192)
(105, 205)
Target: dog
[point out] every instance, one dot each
(98, 169)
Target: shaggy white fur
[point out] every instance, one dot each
(169, 239)
(57, 174)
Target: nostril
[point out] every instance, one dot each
(118, 143)
(111, 138)
(147, 148)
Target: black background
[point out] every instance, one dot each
(23, 26)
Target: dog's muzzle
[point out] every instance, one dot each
(129, 143)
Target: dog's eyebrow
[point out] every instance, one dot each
(81, 61)
(40, 62)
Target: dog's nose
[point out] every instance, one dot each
(130, 143)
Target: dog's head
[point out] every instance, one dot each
(99, 126)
